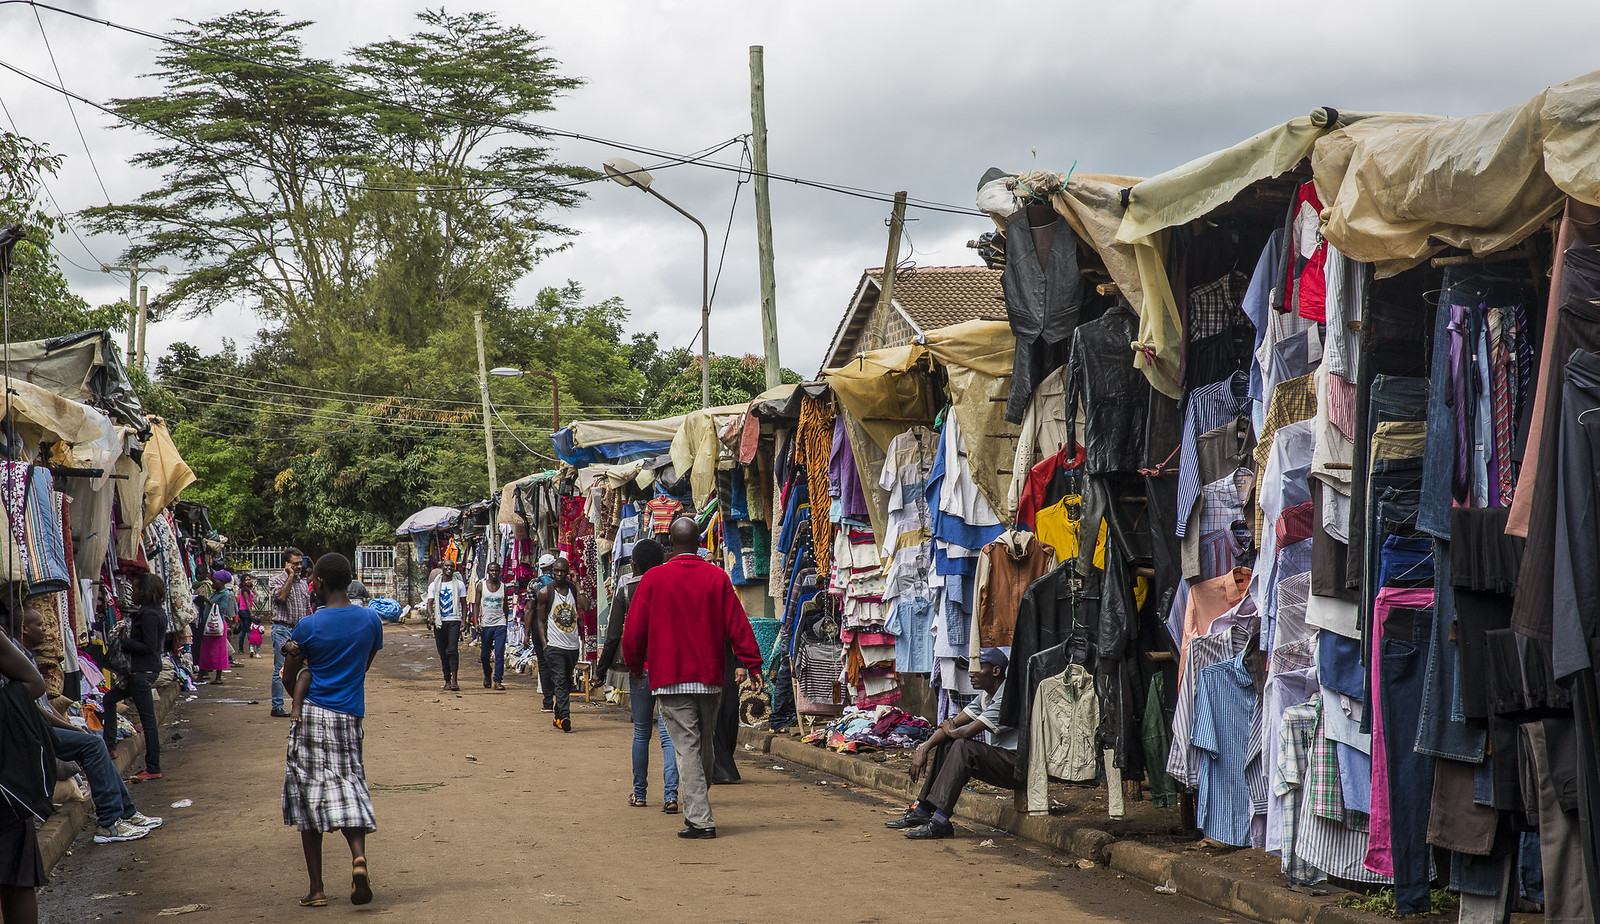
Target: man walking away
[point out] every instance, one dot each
(489, 602)
(682, 619)
(959, 757)
(291, 602)
(555, 627)
(118, 819)
(324, 782)
(647, 554)
(447, 597)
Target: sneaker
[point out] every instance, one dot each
(548, 707)
(144, 776)
(120, 831)
(144, 821)
(913, 818)
(563, 724)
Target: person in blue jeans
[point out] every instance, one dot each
(490, 603)
(647, 722)
(117, 818)
(290, 594)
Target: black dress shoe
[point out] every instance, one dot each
(913, 818)
(932, 831)
(280, 713)
(690, 832)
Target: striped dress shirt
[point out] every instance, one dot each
(1210, 407)
(1225, 704)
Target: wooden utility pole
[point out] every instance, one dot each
(897, 223)
(769, 283)
(483, 392)
(134, 272)
(141, 360)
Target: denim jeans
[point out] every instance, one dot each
(783, 711)
(1391, 398)
(1443, 732)
(560, 662)
(646, 719)
(112, 800)
(494, 645)
(447, 641)
(280, 634)
(138, 686)
(1410, 773)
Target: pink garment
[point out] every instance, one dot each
(1380, 844)
(213, 654)
(1207, 600)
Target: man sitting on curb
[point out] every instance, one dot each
(959, 757)
(116, 817)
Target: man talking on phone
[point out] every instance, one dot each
(291, 602)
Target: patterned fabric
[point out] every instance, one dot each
(1183, 761)
(1210, 407)
(1500, 402)
(1226, 707)
(33, 510)
(1295, 737)
(1294, 524)
(324, 783)
(662, 511)
(688, 686)
(1217, 306)
(812, 451)
(297, 607)
(1342, 406)
(1331, 846)
(1327, 790)
(1292, 401)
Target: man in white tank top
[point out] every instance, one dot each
(489, 602)
(556, 610)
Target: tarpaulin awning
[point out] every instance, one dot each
(84, 367)
(429, 519)
(976, 356)
(166, 474)
(696, 449)
(886, 390)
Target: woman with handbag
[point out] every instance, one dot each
(220, 614)
(145, 639)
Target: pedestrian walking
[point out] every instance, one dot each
(447, 597)
(547, 684)
(683, 617)
(221, 613)
(246, 605)
(555, 612)
(489, 602)
(647, 722)
(145, 639)
(290, 593)
(324, 780)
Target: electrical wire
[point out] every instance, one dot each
(74, 113)
(496, 412)
(321, 415)
(59, 210)
(465, 118)
(198, 378)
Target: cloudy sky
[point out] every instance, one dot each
(921, 96)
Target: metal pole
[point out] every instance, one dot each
(483, 391)
(769, 284)
(705, 298)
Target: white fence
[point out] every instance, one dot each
(374, 566)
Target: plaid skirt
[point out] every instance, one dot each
(324, 785)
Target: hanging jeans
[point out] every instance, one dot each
(783, 712)
(1443, 732)
(1405, 656)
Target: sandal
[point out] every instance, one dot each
(637, 802)
(360, 883)
(670, 806)
(317, 901)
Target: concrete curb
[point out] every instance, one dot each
(59, 831)
(1202, 882)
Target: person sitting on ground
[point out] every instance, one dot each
(959, 757)
(324, 782)
(118, 819)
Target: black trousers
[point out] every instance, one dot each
(957, 763)
(138, 686)
(447, 638)
(560, 663)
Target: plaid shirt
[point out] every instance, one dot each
(1217, 306)
(1296, 736)
(1292, 401)
(289, 612)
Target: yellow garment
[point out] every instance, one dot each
(1060, 530)
(167, 473)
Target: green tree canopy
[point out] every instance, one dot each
(734, 380)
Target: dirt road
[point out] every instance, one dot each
(487, 814)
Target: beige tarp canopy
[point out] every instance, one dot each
(696, 449)
(1400, 188)
(167, 473)
(600, 432)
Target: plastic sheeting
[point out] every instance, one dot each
(429, 519)
(1399, 188)
(83, 367)
(696, 449)
(977, 359)
(887, 391)
(166, 474)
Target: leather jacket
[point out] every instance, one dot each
(1043, 297)
(1114, 394)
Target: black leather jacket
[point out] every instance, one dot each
(1042, 303)
(1115, 395)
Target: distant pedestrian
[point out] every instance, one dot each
(247, 605)
(291, 602)
(447, 597)
(324, 780)
(489, 601)
(684, 615)
(221, 613)
(146, 637)
(647, 723)
(555, 615)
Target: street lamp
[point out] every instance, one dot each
(628, 173)
(555, 388)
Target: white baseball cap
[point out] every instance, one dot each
(546, 560)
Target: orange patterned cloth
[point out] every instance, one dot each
(812, 450)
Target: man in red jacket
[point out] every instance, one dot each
(683, 617)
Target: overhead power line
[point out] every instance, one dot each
(467, 118)
(202, 378)
(73, 112)
(59, 210)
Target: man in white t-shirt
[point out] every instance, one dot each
(489, 601)
(555, 617)
(447, 597)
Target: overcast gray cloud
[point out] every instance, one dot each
(921, 96)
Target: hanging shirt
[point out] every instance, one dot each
(1209, 408)
(1225, 698)
(1061, 730)
(662, 511)
(1006, 570)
